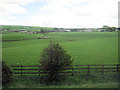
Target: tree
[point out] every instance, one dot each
(6, 73)
(113, 28)
(108, 28)
(53, 60)
(42, 30)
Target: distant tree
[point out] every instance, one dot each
(113, 28)
(56, 29)
(73, 30)
(53, 60)
(43, 30)
(94, 30)
(61, 29)
(108, 28)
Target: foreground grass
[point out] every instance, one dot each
(84, 47)
(94, 81)
(86, 85)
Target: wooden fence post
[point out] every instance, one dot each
(39, 70)
(117, 67)
(88, 73)
(21, 69)
(102, 69)
(72, 71)
(118, 74)
(88, 69)
(118, 70)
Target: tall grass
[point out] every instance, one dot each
(94, 81)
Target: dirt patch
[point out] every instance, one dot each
(70, 40)
(43, 38)
(14, 40)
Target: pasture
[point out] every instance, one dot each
(84, 47)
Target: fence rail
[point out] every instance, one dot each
(81, 69)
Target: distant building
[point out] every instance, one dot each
(116, 29)
(88, 30)
(23, 31)
(99, 30)
(79, 30)
(29, 32)
(67, 30)
(15, 31)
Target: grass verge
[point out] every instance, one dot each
(94, 81)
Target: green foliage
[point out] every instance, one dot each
(108, 28)
(53, 60)
(6, 73)
(26, 28)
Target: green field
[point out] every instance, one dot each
(84, 47)
(19, 36)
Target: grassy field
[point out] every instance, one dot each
(84, 47)
(19, 36)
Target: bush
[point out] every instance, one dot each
(6, 73)
(53, 60)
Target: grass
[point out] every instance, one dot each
(95, 81)
(87, 85)
(84, 47)
(15, 36)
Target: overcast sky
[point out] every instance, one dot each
(59, 13)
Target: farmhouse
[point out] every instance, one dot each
(99, 30)
(117, 29)
(23, 31)
(67, 30)
(15, 31)
(79, 30)
(29, 32)
(88, 30)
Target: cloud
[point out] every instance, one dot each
(77, 13)
(64, 13)
(4, 22)
(11, 18)
(9, 7)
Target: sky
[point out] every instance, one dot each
(59, 13)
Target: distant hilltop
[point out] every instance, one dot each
(38, 29)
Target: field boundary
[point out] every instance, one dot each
(76, 69)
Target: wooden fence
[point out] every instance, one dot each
(76, 69)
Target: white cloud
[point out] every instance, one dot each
(4, 22)
(64, 13)
(8, 7)
(11, 18)
(78, 13)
